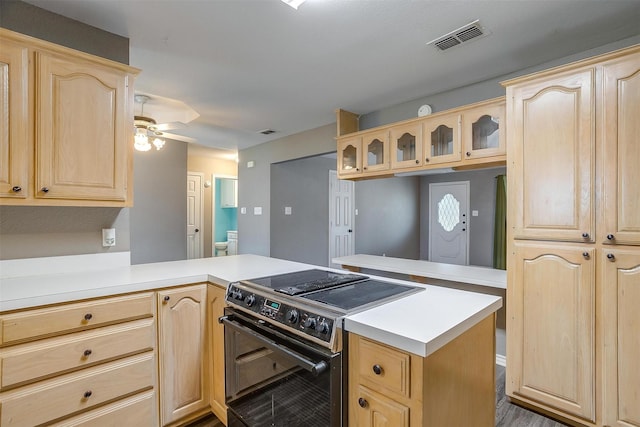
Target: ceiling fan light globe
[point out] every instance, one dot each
(158, 143)
(141, 141)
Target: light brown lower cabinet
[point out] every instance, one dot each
(215, 307)
(182, 353)
(454, 386)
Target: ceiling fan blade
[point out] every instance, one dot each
(177, 137)
(170, 126)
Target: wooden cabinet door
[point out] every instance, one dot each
(375, 151)
(374, 410)
(216, 304)
(182, 352)
(483, 131)
(620, 149)
(15, 120)
(441, 137)
(551, 149)
(551, 335)
(350, 156)
(621, 336)
(406, 146)
(82, 137)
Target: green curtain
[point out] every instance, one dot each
(500, 228)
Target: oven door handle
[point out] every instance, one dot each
(316, 368)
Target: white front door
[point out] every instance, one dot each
(449, 222)
(341, 218)
(195, 244)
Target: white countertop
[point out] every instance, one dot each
(420, 323)
(474, 275)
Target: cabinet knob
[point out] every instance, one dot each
(611, 257)
(426, 160)
(197, 230)
(16, 189)
(585, 255)
(45, 189)
(166, 298)
(362, 402)
(364, 168)
(87, 353)
(417, 162)
(468, 153)
(610, 237)
(585, 235)
(87, 394)
(88, 316)
(377, 369)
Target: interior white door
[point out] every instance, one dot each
(195, 243)
(449, 222)
(341, 218)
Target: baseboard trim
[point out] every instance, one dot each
(501, 360)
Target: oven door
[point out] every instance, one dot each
(276, 379)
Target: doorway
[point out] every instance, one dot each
(195, 244)
(449, 222)
(341, 218)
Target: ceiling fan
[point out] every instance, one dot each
(170, 114)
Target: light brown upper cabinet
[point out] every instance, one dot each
(78, 110)
(406, 145)
(484, 131)
(435, 141)
(620, 151)
(552, 142)
(441, 139)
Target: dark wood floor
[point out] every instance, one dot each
(507, 414)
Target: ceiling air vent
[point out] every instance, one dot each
(267, 131)
(462, 35)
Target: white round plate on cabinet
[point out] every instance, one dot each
(424, 110)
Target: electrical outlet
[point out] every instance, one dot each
(108, 237)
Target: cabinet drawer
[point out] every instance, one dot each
(33, 361)
(138, 410)
(33, 324)
(74, 393)
(383, 367)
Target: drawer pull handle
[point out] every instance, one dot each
(611, 257)
(16, 189)
(87, 353)
(610, 237)
(166, 298)
(585, 235)
(87, 394)
(377, 369)
(45, 189)
(362, 402)
(88, 316)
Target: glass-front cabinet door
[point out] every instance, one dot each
(484, 132)
(441, 139)
(406, 146)
(350, 156)
(375, 147)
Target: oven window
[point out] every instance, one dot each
(267, 387)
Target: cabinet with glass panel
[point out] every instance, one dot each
(442, 139)
(484, 131)
(364, 154)
(406, 145)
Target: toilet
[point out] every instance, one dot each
(221, 248)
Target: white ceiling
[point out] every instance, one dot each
(249, 65)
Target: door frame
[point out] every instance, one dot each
(333, 175)
(468, 202)
(213, 208)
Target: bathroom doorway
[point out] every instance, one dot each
(224, 215)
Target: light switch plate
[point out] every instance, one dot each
(474, 213)
(287, 210)
(243, 210)
(257, 210)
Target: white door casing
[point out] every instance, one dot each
(449, 222)
(195, 242)
(341, 218)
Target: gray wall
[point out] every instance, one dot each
(154, 229)
(159, 214)
(482, 197)
(254, 184)
(304, 186)
(388, 220)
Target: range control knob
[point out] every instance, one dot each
(237, 295)
(250, 300)
(322, 327)
(292, 316)
(310, 323)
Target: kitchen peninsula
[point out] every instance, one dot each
(151, 310)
